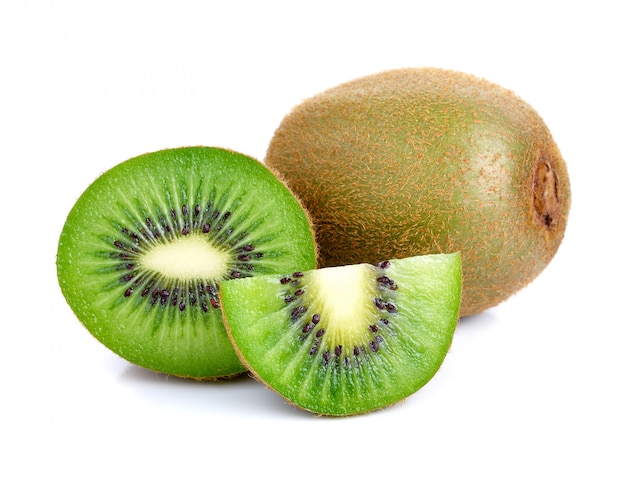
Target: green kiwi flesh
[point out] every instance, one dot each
(348, 339)
(428, 160)
(144, 249)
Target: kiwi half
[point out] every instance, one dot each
(349, 339)
(429, 160)
(144, 249)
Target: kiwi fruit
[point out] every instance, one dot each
(144, 249)
(425, 160)
(349, 339)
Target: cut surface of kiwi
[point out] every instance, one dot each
(144, 249)
(431, 160)
(348, 339)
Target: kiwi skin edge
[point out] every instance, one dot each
(426, 160)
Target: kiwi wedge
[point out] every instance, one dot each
(144, 249)
(430, 160)
(349, 339)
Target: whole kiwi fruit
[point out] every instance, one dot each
(425, 160)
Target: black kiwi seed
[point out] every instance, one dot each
(386, 283)
(390, 307)
(297, 312)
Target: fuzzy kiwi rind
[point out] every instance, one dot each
(114, 266)
(428, 160)
(346, 340)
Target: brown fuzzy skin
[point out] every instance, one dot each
(424, 160)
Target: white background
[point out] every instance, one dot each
(532, 391)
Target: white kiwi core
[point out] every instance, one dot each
(190, 257)
(345, 294)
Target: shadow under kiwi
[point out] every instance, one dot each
(240, 394)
